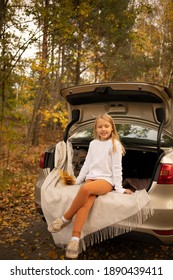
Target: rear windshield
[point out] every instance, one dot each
(129, 134)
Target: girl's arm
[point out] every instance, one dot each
(117, 168)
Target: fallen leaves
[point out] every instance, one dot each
(17, 200)
(17, 206)
(53, 255)
(17, 211)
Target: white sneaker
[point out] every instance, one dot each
(72, 250)
(57, 225)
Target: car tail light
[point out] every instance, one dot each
(42, 158)
(164, 232)
(166, 174)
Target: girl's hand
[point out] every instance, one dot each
(127, 191)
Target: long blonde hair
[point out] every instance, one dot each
(114, 134)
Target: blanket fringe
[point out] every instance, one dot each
(116, 229)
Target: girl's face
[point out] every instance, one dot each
(103, 129)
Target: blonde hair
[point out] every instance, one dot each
(114, 134)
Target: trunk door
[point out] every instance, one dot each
(125, 101)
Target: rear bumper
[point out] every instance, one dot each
(166, 239)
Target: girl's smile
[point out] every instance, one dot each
(103, 129)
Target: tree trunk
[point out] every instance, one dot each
(170, 76)
(78, 64)
(3, 5)
(39, 103)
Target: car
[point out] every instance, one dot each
(143, 114)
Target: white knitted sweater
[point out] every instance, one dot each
(102, 163)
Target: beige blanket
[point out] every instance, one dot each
(112, 214)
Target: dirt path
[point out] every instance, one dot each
(35, 244)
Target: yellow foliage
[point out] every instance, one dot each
(58, 114)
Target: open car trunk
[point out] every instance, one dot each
(143, 104)
(139, 167)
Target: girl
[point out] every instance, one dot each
(101, 171)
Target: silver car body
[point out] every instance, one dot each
(131, 104)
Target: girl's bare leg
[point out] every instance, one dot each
(94, 187)
(81, 216)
